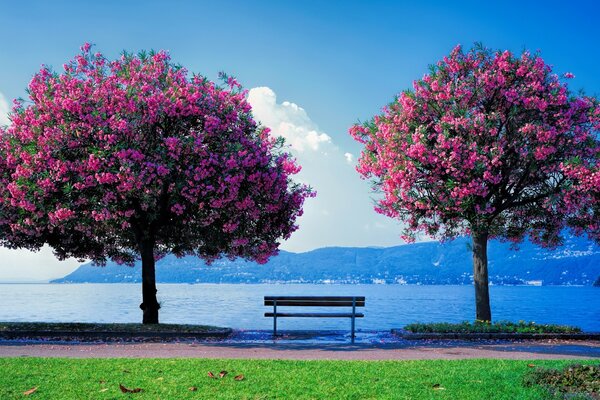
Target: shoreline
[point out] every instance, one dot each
(51, 282)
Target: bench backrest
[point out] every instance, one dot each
(315, 301)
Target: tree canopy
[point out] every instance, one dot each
(487, 140)
(110, 149)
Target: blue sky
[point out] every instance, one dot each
(317, 66)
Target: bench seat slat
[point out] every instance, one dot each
(314, 315)
(313, 303)
(309, 298)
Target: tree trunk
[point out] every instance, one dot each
(480, 276)
(149, 304)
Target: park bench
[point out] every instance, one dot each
(314, 301)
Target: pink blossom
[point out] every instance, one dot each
(61, 214)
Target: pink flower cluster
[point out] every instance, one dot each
(110, 151)
(486, 141)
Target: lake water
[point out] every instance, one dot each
(241, 306)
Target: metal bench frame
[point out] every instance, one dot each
(315, 301)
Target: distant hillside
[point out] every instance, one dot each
(576, 263)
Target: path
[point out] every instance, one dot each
(259, 345)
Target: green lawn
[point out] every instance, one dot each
(58, 378)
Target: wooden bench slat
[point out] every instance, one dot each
(324, 298)
(315, 315)
(315, 303)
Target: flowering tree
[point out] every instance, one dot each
(133, 158)
(489, 145)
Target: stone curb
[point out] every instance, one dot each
(112, 335)
(495, 336)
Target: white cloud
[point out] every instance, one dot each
(24, 265)
(287, 119)
(4, 109)
(342, 213)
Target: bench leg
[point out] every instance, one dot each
(353, 317)
(275, 318)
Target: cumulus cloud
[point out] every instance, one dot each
(342, 213)
(287, 119)
(4, 109)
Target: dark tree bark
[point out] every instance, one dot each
(149, 304)
(480, 276)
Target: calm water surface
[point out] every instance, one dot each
(241, 306)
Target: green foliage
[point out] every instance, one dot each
(65, 379)
(31, 148)
(486, 327)
(96, 327)
(572, 382)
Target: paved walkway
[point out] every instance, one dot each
(369, 346)
(202, 350)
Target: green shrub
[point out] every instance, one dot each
(487, 327)
(571, 382)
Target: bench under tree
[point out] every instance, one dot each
(315, 301)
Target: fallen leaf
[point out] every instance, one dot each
(103, 390)
(160, 378)
(127, 390)
(531, 365)
(222, 373)
(239, 377)
(437, 386)
(193, 389)
(211, 375)
(30, 391)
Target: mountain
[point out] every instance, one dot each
(428, 263)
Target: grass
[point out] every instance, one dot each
(486, 327)
(97, 327)
(59, 378)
